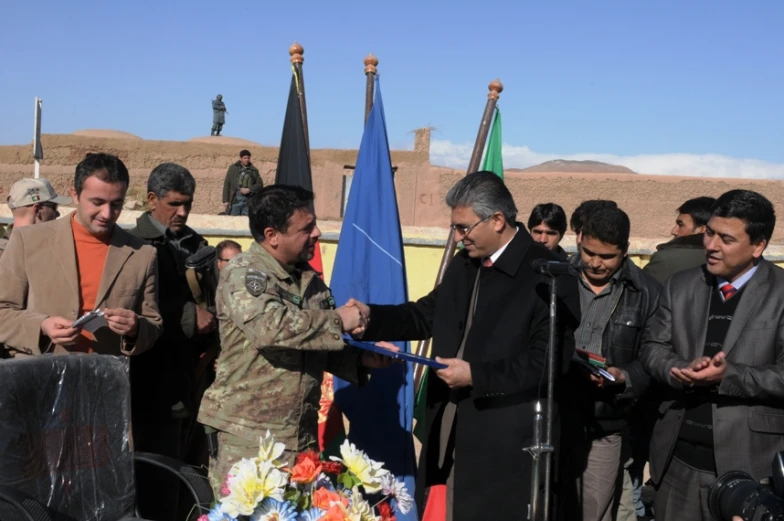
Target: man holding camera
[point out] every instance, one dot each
(717, 343)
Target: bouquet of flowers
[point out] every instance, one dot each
(349, 488)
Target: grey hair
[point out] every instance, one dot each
(485, 193)
(170, 177)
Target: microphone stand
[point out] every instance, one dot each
(544, 448)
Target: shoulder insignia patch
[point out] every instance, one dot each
(255, 282)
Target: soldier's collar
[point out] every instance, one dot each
(274, 267)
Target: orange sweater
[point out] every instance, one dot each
(91, 255)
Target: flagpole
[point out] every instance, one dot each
(495, 87)
(370, 72)
(296, 51)
(37, 153)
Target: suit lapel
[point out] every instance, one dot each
(699, 313)
(115, 260)
(748, 303)
(64, 251)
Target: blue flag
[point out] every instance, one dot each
(369, 266)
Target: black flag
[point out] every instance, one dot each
(293, 160)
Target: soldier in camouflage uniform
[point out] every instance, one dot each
(279, 332)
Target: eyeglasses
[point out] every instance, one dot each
(465, 230)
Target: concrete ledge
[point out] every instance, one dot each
(226, 226)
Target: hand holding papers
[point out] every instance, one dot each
(91, 321)
(595, 364)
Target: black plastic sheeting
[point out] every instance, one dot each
(65, 433)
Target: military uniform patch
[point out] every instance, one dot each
(255, 282)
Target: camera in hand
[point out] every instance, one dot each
(737, 494)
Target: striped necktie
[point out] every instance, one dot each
(488, 262)
(728, 290)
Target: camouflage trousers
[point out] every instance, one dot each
(231, 449)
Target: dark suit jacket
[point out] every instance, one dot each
(748, 413)
(506, 348)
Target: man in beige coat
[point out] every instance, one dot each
(54, 273)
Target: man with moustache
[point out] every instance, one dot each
(489, 323)
(279, 332)
(717, 346)
(55, 272)
(162, 380)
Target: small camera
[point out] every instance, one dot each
(737, 494)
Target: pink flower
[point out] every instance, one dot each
(225, 490)
(202, 517)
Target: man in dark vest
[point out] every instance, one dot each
(241, 178)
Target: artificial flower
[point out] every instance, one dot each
(369, 472)
(273, 480)
(385, 511)
(246, 489)
(270, 450)
(216, 515)
(338, 512)
(202, 517)
(225, 491)
(305, 471)
(311, 455)
(332, 467)
(397, 489)
(360, 509)
(313, 514)
(323, 498)
(274, 510)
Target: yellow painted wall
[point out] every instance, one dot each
(421, 262)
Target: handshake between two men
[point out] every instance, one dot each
(356, 317)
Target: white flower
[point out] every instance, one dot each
(369, 472)
(397, 489)
(359, 508)
(270, 450)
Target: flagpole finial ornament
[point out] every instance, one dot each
(370, 63)
(496, 87)
(296, 51)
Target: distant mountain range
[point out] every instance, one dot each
(583, 167)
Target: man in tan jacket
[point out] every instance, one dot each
(58, 271)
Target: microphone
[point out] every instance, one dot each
(552, 268)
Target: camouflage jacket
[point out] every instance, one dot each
(279, 332)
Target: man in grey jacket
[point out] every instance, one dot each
(685, 250)
(717, 345)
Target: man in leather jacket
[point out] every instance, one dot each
(617, 301)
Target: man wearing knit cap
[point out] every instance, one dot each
(31, 201)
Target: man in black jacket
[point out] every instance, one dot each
(617, 301)
(489, 323)
(162, 379)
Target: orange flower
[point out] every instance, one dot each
(324, 499)
(335, 513)
(305, 471)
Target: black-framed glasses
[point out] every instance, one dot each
(465, 230)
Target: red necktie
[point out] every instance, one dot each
(488, 262)
(728, 290)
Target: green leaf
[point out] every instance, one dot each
(348, 480)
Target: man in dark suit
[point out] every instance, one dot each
(489, 322)
(717, 343)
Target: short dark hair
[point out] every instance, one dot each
(752, 208)
(607, 224)
(273, 206)
(244, 153)
(106, 167)
(227, 244)
(485, 193)
(699, 209)
(170, 177)
(585, 208)
(549, 213)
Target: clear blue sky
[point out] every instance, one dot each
(607, 76)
